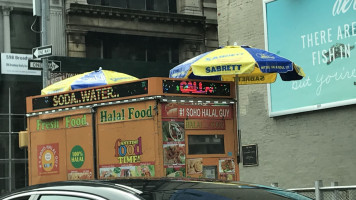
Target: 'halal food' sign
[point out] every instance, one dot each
(125, 114)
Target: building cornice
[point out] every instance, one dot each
(22, 4)
(115, 12)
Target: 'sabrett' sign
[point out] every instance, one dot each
(91, 95)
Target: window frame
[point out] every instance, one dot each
(221, 136)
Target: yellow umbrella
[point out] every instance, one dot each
(250, 64)
(242, 64)
(88, 79)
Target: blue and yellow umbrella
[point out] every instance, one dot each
(243, 63)
(253, 66)
(88, 79)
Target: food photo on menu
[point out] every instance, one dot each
(227, 166)
(173, 131)
(174, 154)
(195, 166)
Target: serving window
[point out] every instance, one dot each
(206, 144)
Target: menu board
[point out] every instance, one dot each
(250, 155)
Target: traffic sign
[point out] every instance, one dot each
(35, 64)
(41, 52)
(53, 65)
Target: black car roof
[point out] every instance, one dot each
(172, 185)
(173, 188)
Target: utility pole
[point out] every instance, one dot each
(44, 30)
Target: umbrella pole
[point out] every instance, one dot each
(238, 134)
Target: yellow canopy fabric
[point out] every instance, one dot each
(88, 79)
(250, 65)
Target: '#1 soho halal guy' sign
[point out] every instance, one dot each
(320, 36)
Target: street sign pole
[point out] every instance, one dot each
(44, 25)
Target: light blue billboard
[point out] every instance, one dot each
(319, 36)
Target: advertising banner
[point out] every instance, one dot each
(48, 159)
(129, 170)
(319, 36)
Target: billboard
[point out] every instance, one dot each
(319, 36)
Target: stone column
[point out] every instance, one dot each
(76, 43)
(57, 33)
(190, 48)
(190, 7)
(7, 38)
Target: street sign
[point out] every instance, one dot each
(41, 52)
(58, 76)
(35, 64)
(53, 65)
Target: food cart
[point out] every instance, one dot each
(151, 127)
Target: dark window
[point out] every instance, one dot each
(95, 2)
(130, 47)
(172, 6)
(4, 145)
(137, 4)
(23, 39)
(155, 5)
(4, 166)
(20, 174)
(16, 152)
(20, 90)
(18, 123)
(4, 186)
(159, 5)
(115, 3)
(206, 144)
(4, 123)
(4, 99)
(93, 46)
(125, 47)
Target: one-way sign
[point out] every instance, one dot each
(35, 64)
(40, 52)
(53, 65)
